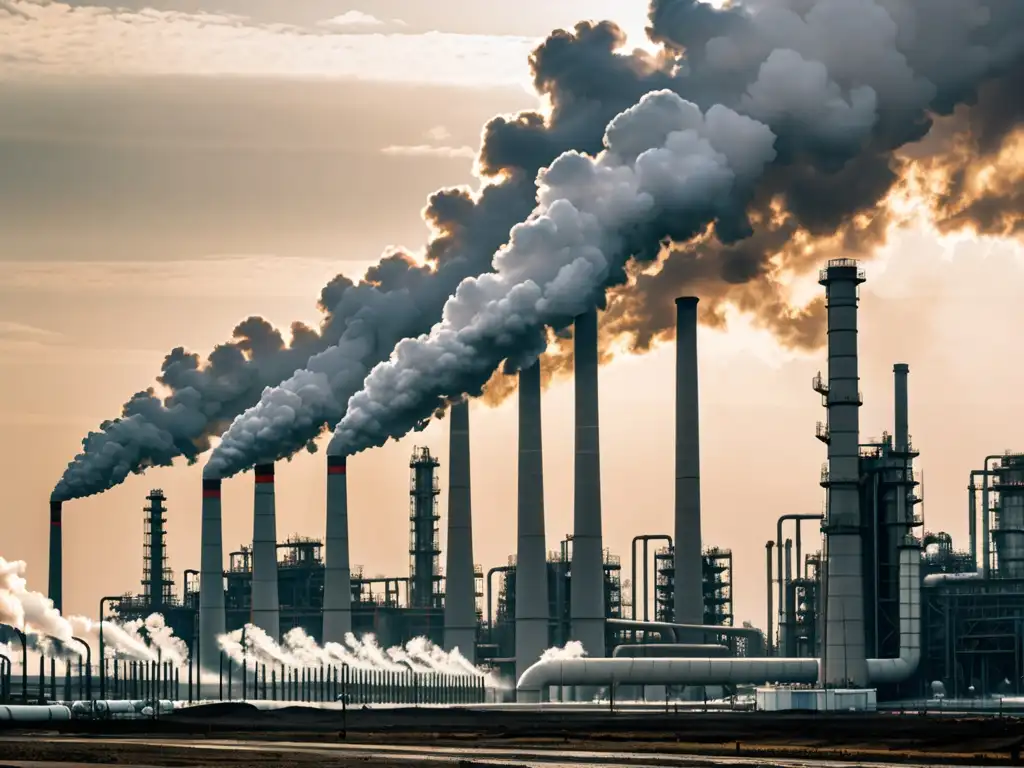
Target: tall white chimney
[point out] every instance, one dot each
(688, 602)
(266, 612)
(460, 579)
(587, 591)
(337, 571)
(533, 613)
(212, 621)
(844, 660)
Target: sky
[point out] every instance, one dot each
(174, 166)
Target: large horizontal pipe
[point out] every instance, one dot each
(708, 671)
(34, 714)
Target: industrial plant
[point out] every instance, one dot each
(864, 603)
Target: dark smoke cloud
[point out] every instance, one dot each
(844, 84)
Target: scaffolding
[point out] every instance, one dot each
(157, 577)
(716, 568)
(424, 538)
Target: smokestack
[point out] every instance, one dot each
(212, 623)
(337, 572)
(902, 436)
(844, 662)
(265, 606)
(688, 604)
(532, 609)
(56, 585)
(587, 584)
(460, 579)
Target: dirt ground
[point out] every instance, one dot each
(908, 738)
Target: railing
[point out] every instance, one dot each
(819, 385)
(824, 472)
(821, 431)
(840, 264)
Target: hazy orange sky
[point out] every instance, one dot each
(166, 175)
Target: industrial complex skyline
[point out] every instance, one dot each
(98, 328)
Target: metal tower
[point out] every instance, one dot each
(424, 547)
(157, 577)
(845, 660)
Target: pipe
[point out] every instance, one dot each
(972, 515)
(587, 590)
(688, 597)
(769, 635)
(711, 671)
(934, 579)
(265, 606)
(985, 544)
(490, 587)
(533, 610)
(212, 619)
(55, 588)
(881, 671)
(669, 650)
(88, 666)
(845, 657)
(337, 568)
(646, 539)
(460, 580)
(787, 609)
(780, 553)
(673, 628)
(34, 714)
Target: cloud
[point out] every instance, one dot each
(15, 331)
(55, 38)
(427, 150)
(358, 19)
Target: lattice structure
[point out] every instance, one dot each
(157, 577)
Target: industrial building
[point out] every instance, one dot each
(867, 601)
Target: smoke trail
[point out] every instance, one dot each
(668, 170)
(298, 650)
(398, 297)
(844, 85)
(54, 634)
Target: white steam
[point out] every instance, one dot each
(252, 647)
(51, 633)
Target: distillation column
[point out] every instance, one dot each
(844, 660)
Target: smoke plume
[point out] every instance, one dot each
(52, 633)
(400, 296)
(847, 86)
(668, 171)
(843, 84)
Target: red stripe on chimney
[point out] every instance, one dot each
(336, 470)
(211, 493)
(264, 478)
